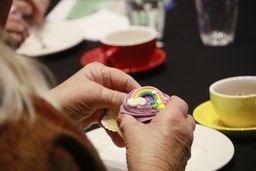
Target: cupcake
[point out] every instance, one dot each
(142, 103)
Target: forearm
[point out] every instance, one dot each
(167, 160)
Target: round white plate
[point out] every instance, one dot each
(52, 37)
(211, 150)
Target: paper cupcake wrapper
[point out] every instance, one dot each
(109, 121)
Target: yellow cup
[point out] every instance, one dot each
(234, 101)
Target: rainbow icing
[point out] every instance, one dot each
(157, 99)
(144, 103)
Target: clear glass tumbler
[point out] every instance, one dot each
(217, 20)
(147, 13)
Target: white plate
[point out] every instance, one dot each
(55, 35)
(211, 150)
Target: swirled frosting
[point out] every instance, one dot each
(144, 103)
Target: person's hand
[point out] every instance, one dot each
(34, 10)
(162, 144)
(17, 29)
(87, 95)
(40, 8)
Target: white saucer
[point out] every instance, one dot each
(55, 35)
(211, 150)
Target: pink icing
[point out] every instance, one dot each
(142, 113)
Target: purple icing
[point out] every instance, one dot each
(143, 113)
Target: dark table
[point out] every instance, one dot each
(190, 67)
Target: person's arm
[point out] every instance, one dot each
(164, 144)
(4, 8)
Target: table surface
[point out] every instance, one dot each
(190, 67)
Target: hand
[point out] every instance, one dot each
(40, 8)
(17, 28)
(33, 9)
(162, 144)
(87, 95)
(24, 7)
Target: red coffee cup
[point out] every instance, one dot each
(131, 47)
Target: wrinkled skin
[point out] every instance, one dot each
(164, 143)
(89, 93)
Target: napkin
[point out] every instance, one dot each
(100, 23)
(83, 8)
(95, 18)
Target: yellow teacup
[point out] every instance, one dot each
(234, 100)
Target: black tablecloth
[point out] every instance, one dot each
(190, 67)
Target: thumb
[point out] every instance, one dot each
(126, 122)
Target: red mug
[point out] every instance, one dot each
(131, 47)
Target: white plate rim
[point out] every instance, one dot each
(75, 33)
(218, 154)
(203, 138)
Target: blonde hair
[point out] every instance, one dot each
(21, 79)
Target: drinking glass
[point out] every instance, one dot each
(217, 20)
(148, 13)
